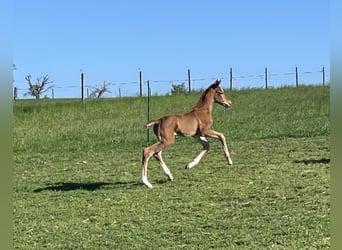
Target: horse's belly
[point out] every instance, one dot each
(186, 130)
(186, 125)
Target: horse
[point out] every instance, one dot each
(194, 123)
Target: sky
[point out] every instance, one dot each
(112, 41)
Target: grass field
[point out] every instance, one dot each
(77, 175)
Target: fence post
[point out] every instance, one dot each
(296, 76)
(323, 72)
(82, 87)
(52, 94)
(231, 78)
(141, 83)
(15, 93)
(189, 80)
(148, 111)
(265, 77)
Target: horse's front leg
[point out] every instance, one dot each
(205, 149)
(221, 137)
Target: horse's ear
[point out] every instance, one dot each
(215, 84)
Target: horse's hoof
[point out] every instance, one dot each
(190, 165)
(146, 182)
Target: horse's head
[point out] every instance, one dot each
(219, 96)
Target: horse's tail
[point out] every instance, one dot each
(150, 123)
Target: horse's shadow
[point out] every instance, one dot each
(88, 186)
(313, 161)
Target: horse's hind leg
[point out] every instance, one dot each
(166, 170)
(205, 149)
(147, 153)
(165, 138)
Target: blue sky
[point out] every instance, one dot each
(113, 40)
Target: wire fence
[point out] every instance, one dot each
(164, 87)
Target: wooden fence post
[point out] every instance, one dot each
(296, 76)
(265, 77)
(15, 93)
(141, 83)
(189, 80)
(231, 78)
(82, 87)
(323, 73)
(148, 111)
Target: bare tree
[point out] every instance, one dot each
(98, 92)
(39, 87)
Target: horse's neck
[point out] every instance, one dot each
(205, 102)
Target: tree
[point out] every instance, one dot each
(98, 92)
(38, 88)
(178, 88)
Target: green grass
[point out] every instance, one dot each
(77, 175)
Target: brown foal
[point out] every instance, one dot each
(196, 123)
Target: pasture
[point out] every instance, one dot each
(76, 178)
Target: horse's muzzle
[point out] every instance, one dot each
(227, 104)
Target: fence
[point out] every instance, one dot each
(163, 87)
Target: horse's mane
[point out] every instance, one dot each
(201, 100)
